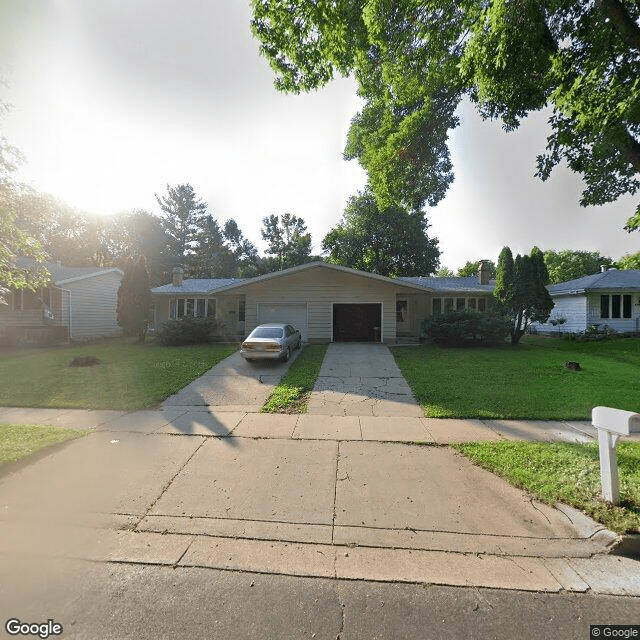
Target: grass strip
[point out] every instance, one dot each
(292, 394)
(568, 473)
(21, 440)
(528, 381)
(130, 375)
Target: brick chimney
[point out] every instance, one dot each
(178, 274)
(483, 273)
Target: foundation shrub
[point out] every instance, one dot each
(466, 328)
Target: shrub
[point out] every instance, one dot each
(189, 330)
(466, 328)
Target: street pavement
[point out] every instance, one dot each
(290, 525)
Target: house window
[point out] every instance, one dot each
(401, 310)
(471, 304)
(448, 304)
(626, 306)
(615, 306)
(242, 309)
(482, 304)
(191, 307)
(460, 304)
(604, 306)
(437, 305)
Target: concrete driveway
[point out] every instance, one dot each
(361, 379)
(233, 384)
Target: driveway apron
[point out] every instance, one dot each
(359, 379)
(232, 385)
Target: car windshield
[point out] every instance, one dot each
(266, 332)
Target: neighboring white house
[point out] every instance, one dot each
(611, 297)
(79, 303)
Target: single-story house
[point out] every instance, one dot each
(610, 297)
(78, 303)
(326, 302)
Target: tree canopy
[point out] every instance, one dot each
(472, 268)
(629, 261)
(569, 265)
(288, 243)
(415, 61)
(14, 241)
(391, 242)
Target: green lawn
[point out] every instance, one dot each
(568, 473)
(525, 381)
(292, 394)
(130, 375)
(21, 440)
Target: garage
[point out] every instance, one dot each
(287, 313)
(357, 322)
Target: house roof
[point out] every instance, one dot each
(198, 285)
(629, 280)
(219, 285)
(61, 274)
(468, 284)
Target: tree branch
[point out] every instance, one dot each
(627, 28)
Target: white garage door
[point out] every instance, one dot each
(295, 314)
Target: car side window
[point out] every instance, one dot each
(288, 330)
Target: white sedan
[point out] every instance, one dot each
(271, 342)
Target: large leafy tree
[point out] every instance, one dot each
(415, 61)
(629, 261)
(569, 265)
(288, 243)
(134, 298)
(244, 252)
(391, 242)
(15, 242)
(520, 290)
(472, 269)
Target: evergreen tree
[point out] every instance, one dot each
(134, 298)
(182, 216)
(520, 290)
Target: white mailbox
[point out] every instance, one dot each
(611, 424)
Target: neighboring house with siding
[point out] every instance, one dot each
(326, 302)
(611, 297)
(78, 303)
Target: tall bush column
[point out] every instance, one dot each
(134, 298)
(520, 290)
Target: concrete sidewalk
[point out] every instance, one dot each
(347, 497)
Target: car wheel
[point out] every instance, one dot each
(287, 355)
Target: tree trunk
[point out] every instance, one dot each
(629, 31)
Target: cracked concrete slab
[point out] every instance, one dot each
(396, 486)
(268, 479)
(203, 423)
(444, 431)
(361, 379)
(266, 425)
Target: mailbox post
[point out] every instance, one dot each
(611, 424)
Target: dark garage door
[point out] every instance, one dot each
(357, 322)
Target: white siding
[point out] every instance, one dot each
(571, 307)
(93, 303)
(320, 287)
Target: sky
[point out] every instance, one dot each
(114, 100)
